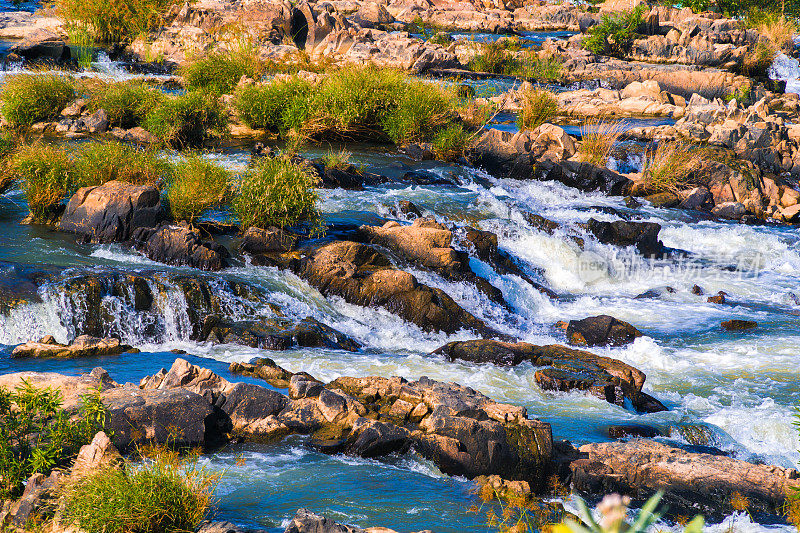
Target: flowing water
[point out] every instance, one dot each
(737, 390)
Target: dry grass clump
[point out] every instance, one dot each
(539, 106)
(598, 138)
(668, 167)
(780, 30)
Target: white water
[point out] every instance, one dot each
(787, 69)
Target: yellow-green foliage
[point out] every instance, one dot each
(538, 107)
(188, 120)
(49, 176)
(125, 103)
(276, 192)
(29, 98)
(220, 71)
(597, 140)
(97, 163)
(113, 20)
(277, 107)
(196, 185)
(163, 494)
(667, 168)
(450, 143)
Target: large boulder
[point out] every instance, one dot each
(42, 46)
(603, 330)
(642, 235)
(691, 481)
(363, 276)
(276, 334)
(180, 244)
(112, 211)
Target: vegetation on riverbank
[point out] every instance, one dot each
(29, 98)
(37, 435)
(113, 21)
(98, 163)
(219, 72)
(48, 174)
(188, 120)
(538, 106)
(126, 103)
(504, 57)
(615, 33)
(166, 493)
(598, 138)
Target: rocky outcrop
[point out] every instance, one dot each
(42, 46)
(270, 240)
(694, 482)
(603, 330)
(113, 211)
(304, 521)
(642, 235)
(276, 334)
(179, 244)
(565, 369)
(82, 346)
(363, 276)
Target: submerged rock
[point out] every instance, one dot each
(112, 211)
(82, 346)
(738, 325)
(567, 369)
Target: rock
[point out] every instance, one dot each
(632, 430)
(568, 369)
(266, 369)
(277, 334)
(174, 416)
(42, 45)
(96, 122)
(717, 299)
(226, 527)
(632, 203)
(179, 244)
(663, 199)
(139, 135)
(305, 521)
(407, 209)
(697, 290)
(691, 481)
(98, 454)
(82, 346)
(643, 235)
(259, 241)
(363, 276)
(739, 325)
(40, 491)
(603, 330)
(698, 199)
(112, 211)
(730, 210)
(373, 14)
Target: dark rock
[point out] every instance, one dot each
(698, 199)
(276, 334)
(305, 521)
(226, 527)
(112, 211)
(603, 330)
(179, 244)
(407, 209)
(632, 203)
(643, 235)
(376, 439)
(739, 325)
(39, 496)
(697, 290)
(42, 46)
(632, 430)
(584, 176)
(259, 241)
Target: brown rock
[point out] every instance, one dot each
(603, 330)
(738, 325)
(82, 346)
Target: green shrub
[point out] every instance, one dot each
(219, 72)
(29, 98)
(539, 106)
(49, 176)
(7, 176)
(37, 435)
(759, 58)
(113, 20)
(615, 33)
(276, 192)
(96, 163)
(188, 120)
(164, 494)
(277, 107)
(530, 65)
(125, 103)
(196, 185)
(422, 109)
(450, 143)
(339, 160)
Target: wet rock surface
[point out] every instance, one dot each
(603, 330)
(82, 346)
(179, 244)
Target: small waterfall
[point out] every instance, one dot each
(787, 69)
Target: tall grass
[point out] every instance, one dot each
(125, 103)
(667, 168)
(197, 184)
(277, 107)
(97, 163)
(419, 112)
(188, 120)
(276, 192)
(780, 30)
(219, 72)
(597, 140)
(8, 178)
(493, 57)
(49, 176)
(113, 21)
(538, 107)
(451, 142)
(164, 494)
(29, 98)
